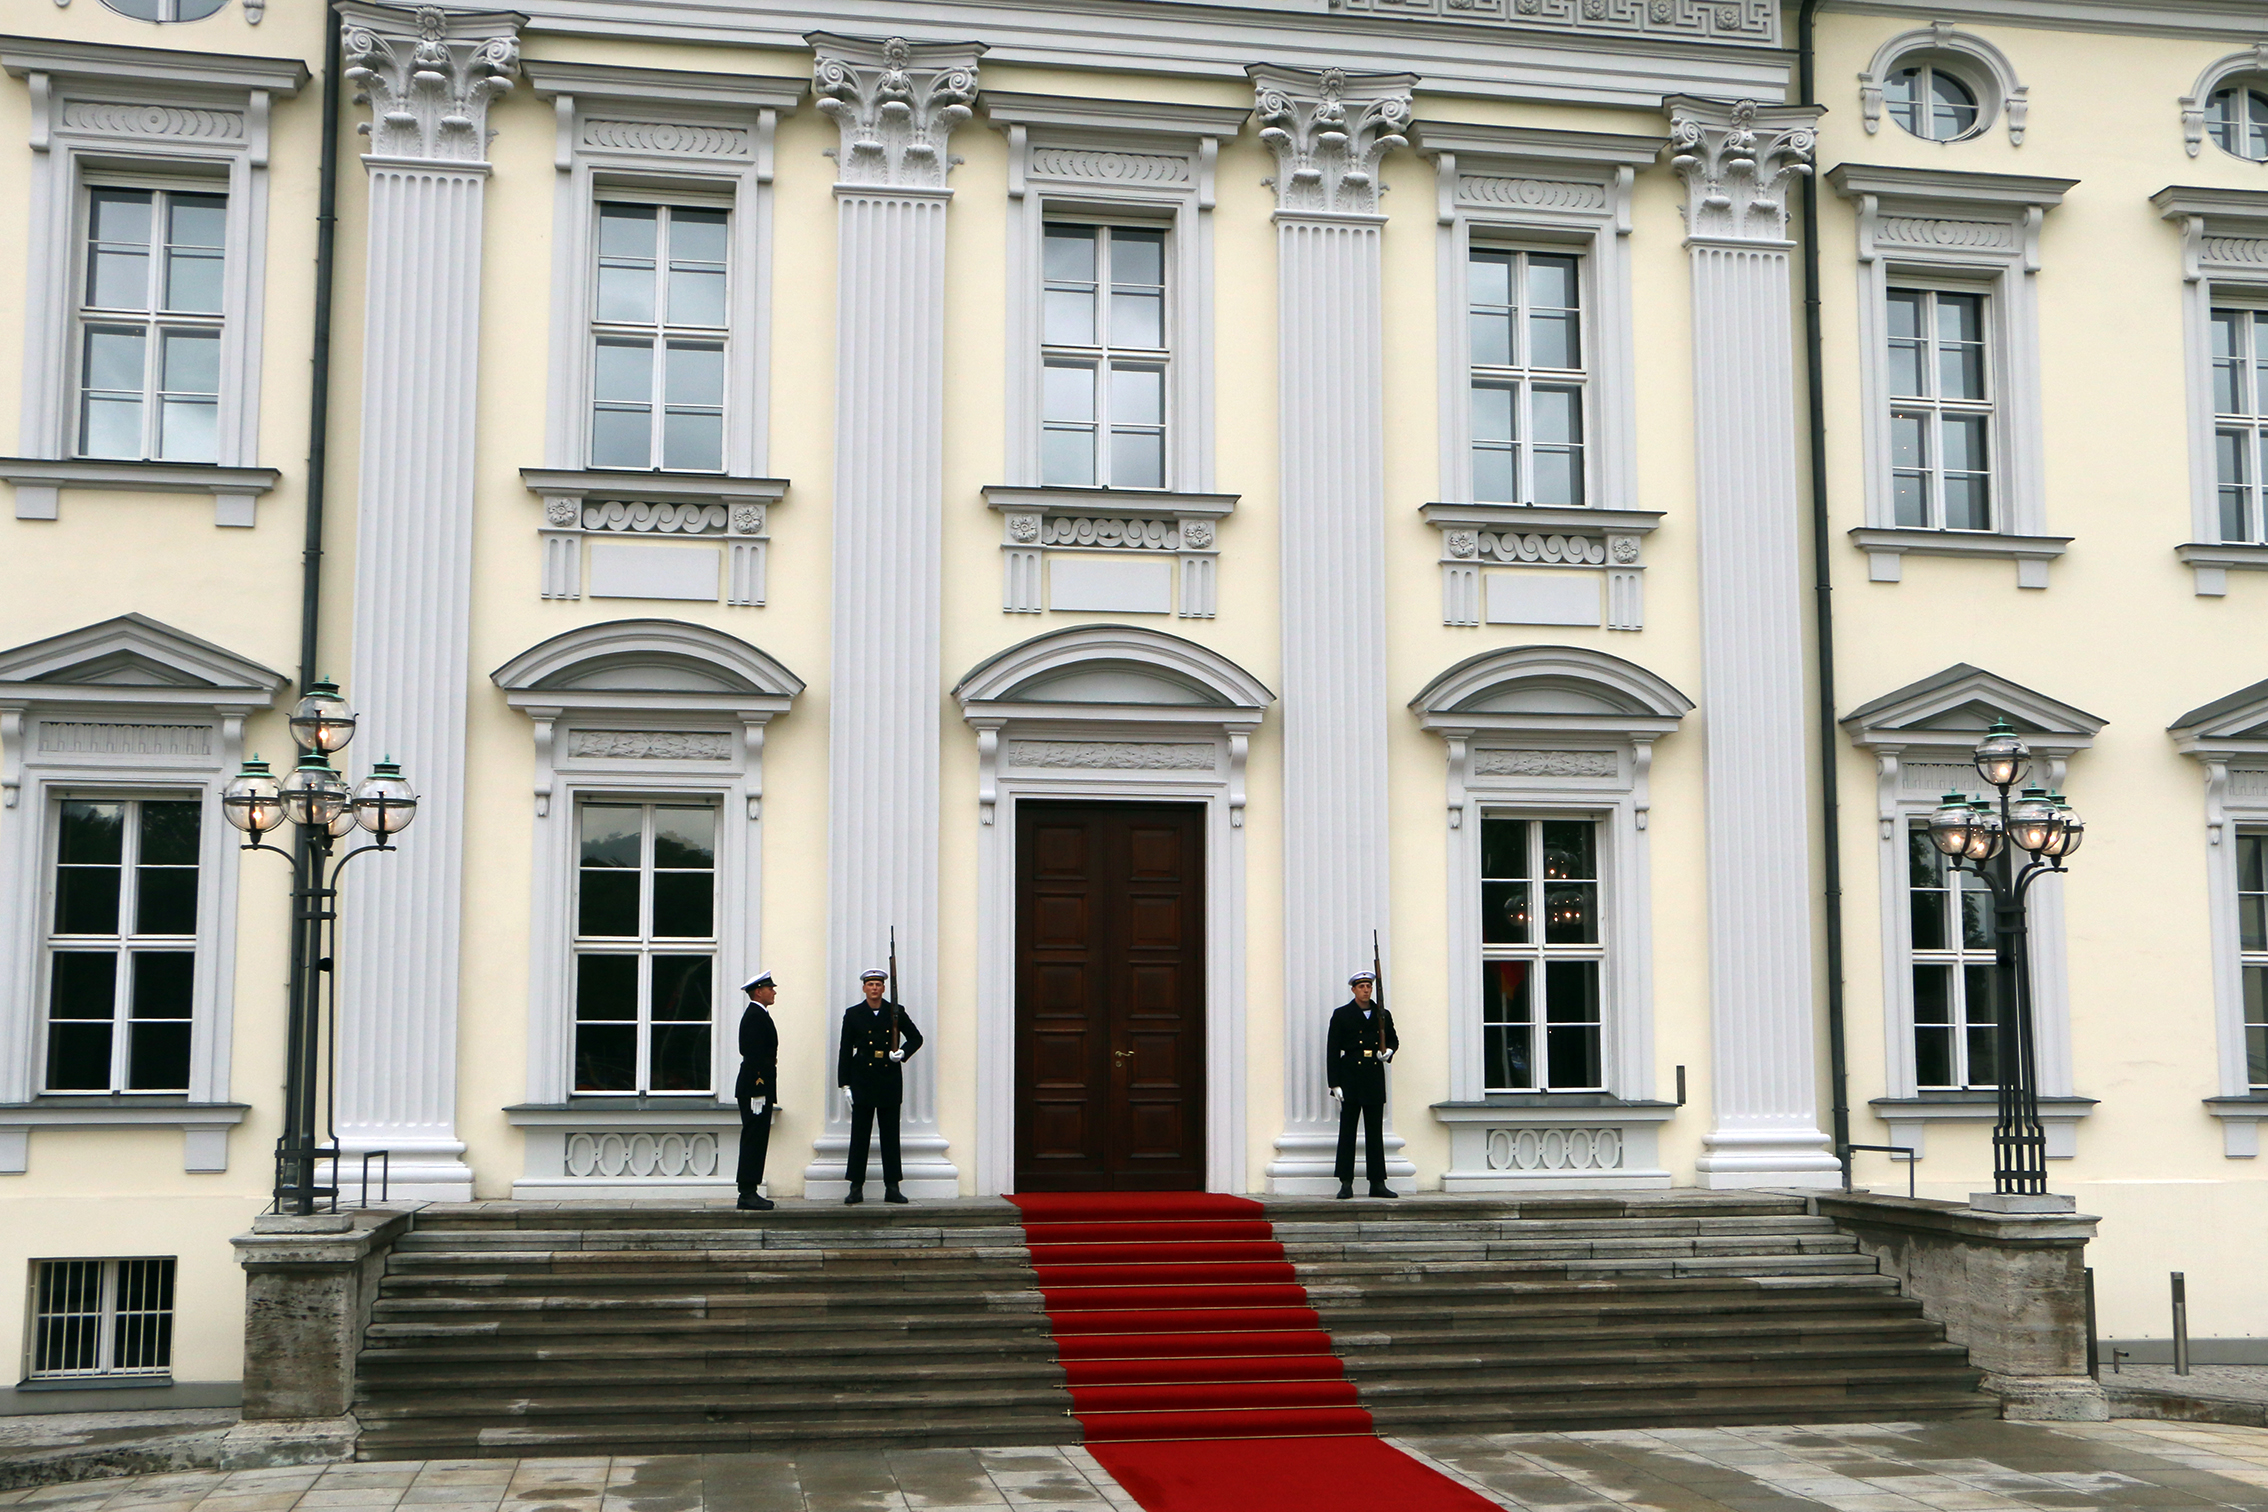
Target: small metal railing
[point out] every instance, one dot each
(1912, 1159)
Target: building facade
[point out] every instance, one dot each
(1126, 502)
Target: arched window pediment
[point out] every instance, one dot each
(1122, 668)
(633, 661)
(1551, 687)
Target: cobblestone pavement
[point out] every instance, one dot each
(1897, 1467)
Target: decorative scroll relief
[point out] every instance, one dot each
(1531, 193)
(428, 94)
(1546, 764)
(1529, 1149)
(92, 738)
(1329, 132)
(651, 745)
(176, 122)
(1964, 235)
(2242, 251)
(897, 106)
(1731, 20)
(673, 138)
(658, 519)
(1530, 546)
(1098, 167)
(1122, 535)
(1115, 755)
(616, 1154)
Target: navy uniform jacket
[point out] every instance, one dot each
(1361, 1078)
(759, 1056)
(864, 1063)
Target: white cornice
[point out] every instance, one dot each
(2214, 20)
(1537, 145)
(662, 86)
(1109, 501)
(2245, 207)
(146, 66)
(1941, 186)
(1086, 113)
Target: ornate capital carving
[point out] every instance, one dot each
(1329, 130)
(428, 75)
(897, 103)
(1737, 158)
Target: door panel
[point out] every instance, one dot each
(1110, 997)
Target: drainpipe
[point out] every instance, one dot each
(1823, 612)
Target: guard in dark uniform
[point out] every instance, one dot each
(1362, 1042)
(756, 1087)
(873, 1074)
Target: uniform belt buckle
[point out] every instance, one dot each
(1367, 1054)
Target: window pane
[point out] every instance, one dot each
(169, 833)
(695, 373)
(628, 242)
(1137, 257)
(685, 837)
(1953, 108)
(118, 264)
(1492, 412)
(1137, 319)
(87, 875)
(681, 989)
(1558, 415)
(1137, 459)
(2256, 1025)
(198, 220)
(165, 901)
(2232, 456)
(1067, 457)
(1968, 502)
(2252, 864)
(1506, 1013)
(1933, 994)
(683, 905)
(1559, 476)
(1137, 395)
(157, 1048)
(611, 834)
(627, 230)
(1898, 95)
(696, 296)
(119, 215)
(611, 844)
(1492, 337)
(1553, 341)
(697, 235)
(1504, 847)
(91, 834)
(626, 294)
(1904, 313)
(1960, 350)
(1488, 278)
(82, 1000)
(1504, 912)
(113, 360)
(1069, 318)
(1069, 255)
(1494, 476)
(606, 1036)
(189, 430)
(679, 1057)
(693, 442)
(621, 438)
(1978, 984)
(624, 372)
(1572, 1038)
(697, 289)
(1070, 391)
(2228, 363)
(1927, 900)
(1977, 922)
(1933, 1032)
(1552, 283)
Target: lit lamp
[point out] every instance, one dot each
(250, 802)
(321, 721)
(2002, 756)
(383, 802)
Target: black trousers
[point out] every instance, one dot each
(1372, 1115)
(862, 1120)
(755, 1141)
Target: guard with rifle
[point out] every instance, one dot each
(878, 1038)
(1361, 1044)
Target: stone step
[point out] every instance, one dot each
(948, 1431)
(1697, 1410)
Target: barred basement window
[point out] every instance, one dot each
(2240, 422)
(102, 1318)
(1106, 357)
(150, 325)
(2252, 941)
(1940, 411)
(645, 948)
(1542, 953)
(1524, 313)
(1956, 978)
(122, 938)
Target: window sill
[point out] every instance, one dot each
(1906, 1116)
(2212, 561)
(2241, 1118)
(652, 486)
(1117, 550)
(1886, 547)
(1478, 537)
(39, 484)
(622, 511)
(118, 1382)
(204, 1126)
(701, 1112)
(1551, 1107)
(1094, 503)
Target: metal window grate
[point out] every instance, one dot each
(102, 1318)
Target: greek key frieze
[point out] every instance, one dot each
(651, 745)
(1115, 755)
(1731, 20)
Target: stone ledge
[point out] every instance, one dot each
(280, 1240)
(1927, 1215)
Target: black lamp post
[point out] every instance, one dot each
(1983, 840)
(323, 810)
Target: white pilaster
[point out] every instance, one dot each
(897, 104)
(1737, 160)
(1329, 131)
(428, 76)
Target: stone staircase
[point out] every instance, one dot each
(512, 1329)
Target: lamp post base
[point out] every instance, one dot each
(2022, 1202)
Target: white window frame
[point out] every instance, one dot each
(171, 725)
(2248, 66)
(151, 320)
(198, 123)
(124, 944)
(2251, 418)
(1525, 377)
(2228, 738)
(105, 1315)
(1102, 357)
(1922, 736)
(660, 333)
(1561, 754)
(645, 945)
(1958, 956)
(2224, 264)
(1938, 408)
(1542, 955)
(660, 136)
(1970, 233)
(2250, 959)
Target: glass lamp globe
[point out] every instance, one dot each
(1984, 837)
(2070, 829)
(321, 721)
(313, 795)
(251, 803)
(383, 802)
(2002, 756)
(1949, 825)
(2032, 821)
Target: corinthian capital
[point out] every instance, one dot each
(1329, 130)
(897, 103)
(427, 75)
(1737, 159)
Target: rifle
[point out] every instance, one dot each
(1378, 991)
(892, 994)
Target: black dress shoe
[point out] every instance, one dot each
(1381, 1189)
(854, 1197)
(1346, 1190)
(892, 1194)
(754, 1202)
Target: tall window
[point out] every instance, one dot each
(2237, 118)
(1542, 953)
(122, 945)
(1956, 983)
(658, 364)
(102, 1318)
(2240, 421)
(1526, 321)
(1105, 357)
(645, 947)
(1940, 410)
(150, 325)
(2252, 932)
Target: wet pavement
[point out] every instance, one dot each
(1978, 1466)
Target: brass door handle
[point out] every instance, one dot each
(1121, 1055)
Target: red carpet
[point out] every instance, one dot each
(1202, 1378)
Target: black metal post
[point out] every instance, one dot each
(314, 907)
(2019, 1145)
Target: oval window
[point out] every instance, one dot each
(166, 10)
(1931, 102)
(2236, 117)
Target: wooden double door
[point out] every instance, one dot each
(1110, 997)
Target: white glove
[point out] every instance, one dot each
(1385, 1055)
(756, 1106)
(1336, 1094)
(897, 1056)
